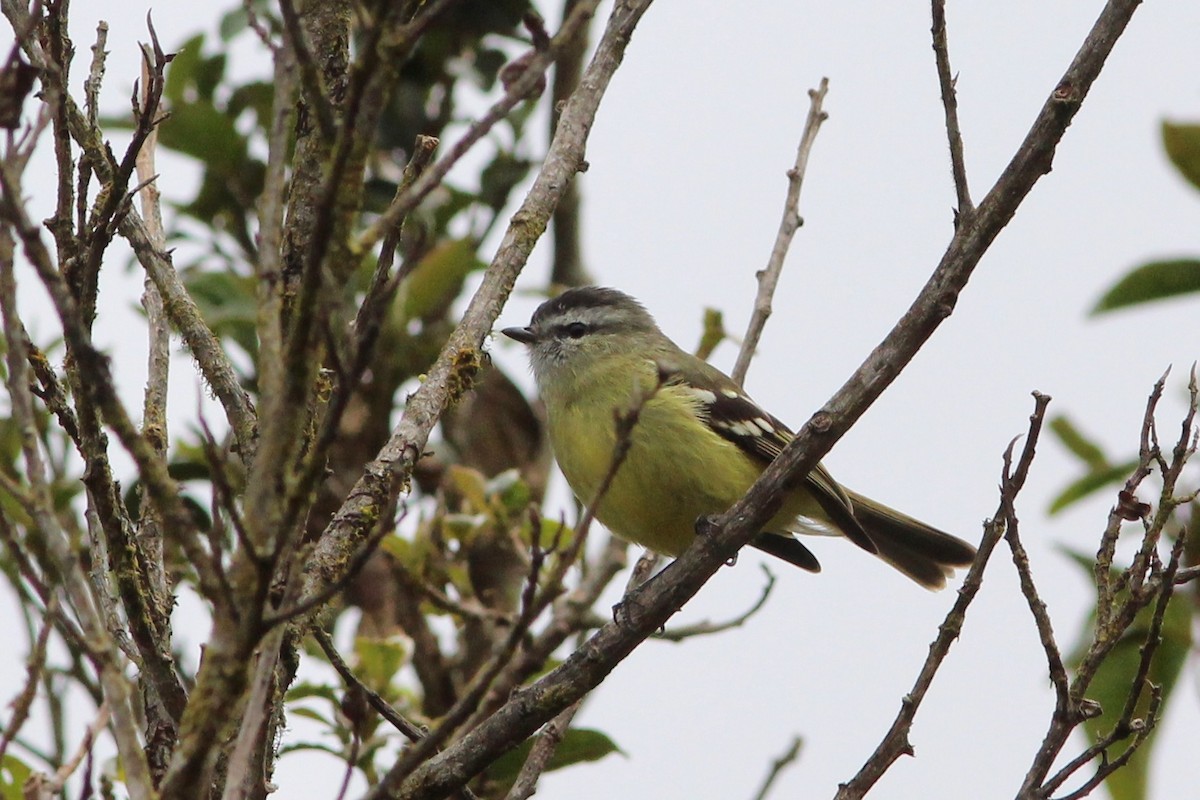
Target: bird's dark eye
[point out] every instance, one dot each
(575, 329)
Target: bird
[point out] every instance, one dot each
(697, 445)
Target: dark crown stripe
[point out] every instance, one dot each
(583, 297)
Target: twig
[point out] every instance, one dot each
(659, 598)
(411, 730)
(946, 81)
(540, 754)
(460, 355)
(472, 707)
(895, 743)
(567, 267)
(1102, 573)
(1058, 672)
(788, 757)
(1141, 733)
(1187, 575)
(21, 704)
(515, 93)
(59, 781)
(706, 628)
(1129, 591)
(788, 225)
(149, 535)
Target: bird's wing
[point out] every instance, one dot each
(733, 415)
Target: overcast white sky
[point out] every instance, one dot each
(681, 204)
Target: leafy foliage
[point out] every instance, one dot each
(1162, 279)
(1150, 282)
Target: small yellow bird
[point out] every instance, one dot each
(698, 445)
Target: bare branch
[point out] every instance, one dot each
(459, 358)
(706, 628)
(946, 81)
(788, 225)
(542, 751)
(781, 763)
(411, 730)
(23, 702)
(649, 606)
(895, 743)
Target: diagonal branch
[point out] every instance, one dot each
(652, 604)
(947, 80)
(895, 743)
(791, 222)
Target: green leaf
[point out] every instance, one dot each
(306, 689)
(499, 178)
(471, 484)
(13, 774)
(379, 659)
(438, 277)
(209, 72)
(1084, 560)
(182, 71)
(1113, 679)
(227, 303)
(312, 714)
(322, 748)
(551, 532)
(511, 490)
(203, 131)
(1182, 143)
(257, 96)
(1091, 483)
(1087, 450)
(577, 746)
(1155, 280)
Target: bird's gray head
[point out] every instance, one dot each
(582, 324)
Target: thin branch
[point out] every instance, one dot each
(461, 354)
(1102, 572)
(411, 730)
(154, 404)
(895, 743)
(540, 754)
(1141, 733)
(23, 702)
(786, 759)
(659, 598)
(707, 628)
(788, 225)
(1058, 672)
(567, 268)
(516, 92)
(946, 81)
(58, 782)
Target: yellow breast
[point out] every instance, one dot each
(677, 468)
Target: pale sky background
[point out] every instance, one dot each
(681, 205)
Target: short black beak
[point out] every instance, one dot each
(522, 335)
